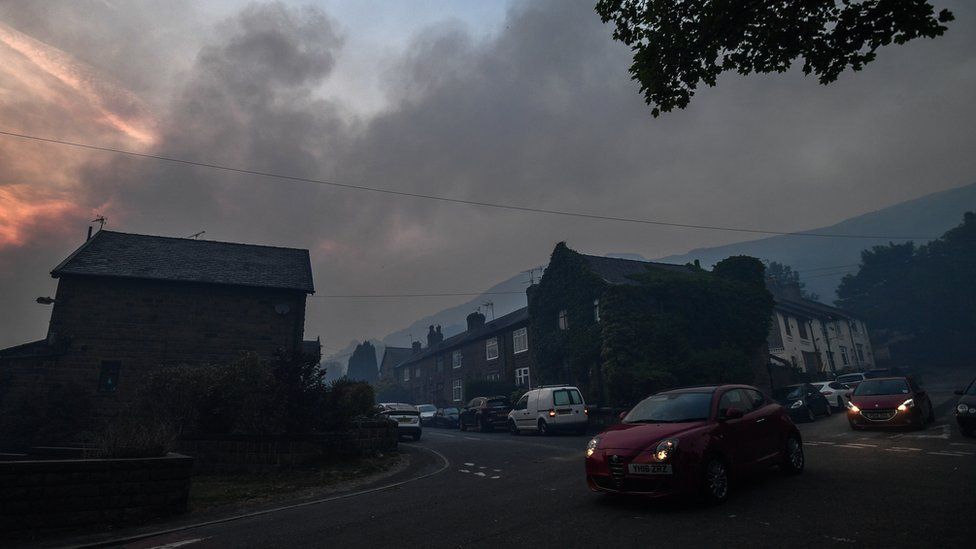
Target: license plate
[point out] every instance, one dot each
(650, 468)
(403, 419)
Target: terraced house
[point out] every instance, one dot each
(498, 350)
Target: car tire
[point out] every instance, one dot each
(830, 410)
(931, 413)
(543, 428)
(513, 428)
(810, 417)
(918, 421)
(715, 481)
(483, 426)
(793, 458)
(461, 424)
(840, 403)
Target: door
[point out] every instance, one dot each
(769, 442)
(741, 437)
(520, 411)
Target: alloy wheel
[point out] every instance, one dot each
(717, 478)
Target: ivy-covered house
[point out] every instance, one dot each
(621, 329)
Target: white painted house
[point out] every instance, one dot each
(814, 337)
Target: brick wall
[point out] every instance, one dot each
(265, 453)
(50, 494)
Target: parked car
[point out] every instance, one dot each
(803, 400)
(446, 417)
(852, 380)
(549, 409)
(836, 393)
(889, 402)
(407, 417)
(485, 413)
(693, 441)
(966, 409)
(427, 412)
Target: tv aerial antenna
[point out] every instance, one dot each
(196, 235)
(531, 273)
(101, 220)
(489, 306)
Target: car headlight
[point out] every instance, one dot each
(797, 404)
(591, 446)
(964, 408)
(852, 407)
(666, 448)
(904, 406)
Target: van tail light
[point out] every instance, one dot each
(586, 411)
(552, 413)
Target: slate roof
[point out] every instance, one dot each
(127, 255)
(490, 328)
(809, 308)
(614, 270)
(39, 348)
(395, 355)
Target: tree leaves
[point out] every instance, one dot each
(679, 45)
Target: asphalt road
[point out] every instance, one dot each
(866, 489)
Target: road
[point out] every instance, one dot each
(859, 489)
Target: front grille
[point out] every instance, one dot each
(883, 414)
(633, 485)
(617, 470)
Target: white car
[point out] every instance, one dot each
(407, 417)
(851, 380)
(427, 412)
(836, 393)
(548, 409)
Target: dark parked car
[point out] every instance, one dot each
(485, 413)
(966, 410)
(889, 402)
(693, 441)
(446, 417)
(804, 401)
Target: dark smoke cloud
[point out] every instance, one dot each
(543, 114)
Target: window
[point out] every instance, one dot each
(563, 320)
(854, 326)
(596, 310)
(406, 374)
(439, 363)
(522, 377)
(803, 329)
(108, 378)
(786, 322)
(491, 349)
(416, 372)
(733, 399)
(523, 403)
(756, 398)
(492, 376)
(456, 359)
(843, 355)
(566, 397)
(860, 351)
(456, 390)
(520, 341)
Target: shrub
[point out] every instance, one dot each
(348, 399)
(131, 437)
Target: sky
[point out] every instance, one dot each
(526, 103)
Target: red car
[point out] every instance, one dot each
(693, 441)
(889, 402)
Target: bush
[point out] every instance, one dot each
(130, 437)
(347, 399)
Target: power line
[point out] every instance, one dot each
(393, 296)
(451, 200)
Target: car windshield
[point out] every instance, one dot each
(788, 393)
(427, 408)
(497, 403)
(875, 387)
(849, 378)
(449, 411)
(972, 388)
(671, 408)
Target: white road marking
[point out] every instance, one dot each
(820, 442)
(962, 444)
(464, 470)
(862, 444)
(906, 448)
(181, 543)
(482, 467)
(952, 454)
(843, 540)
(472, 438)
(479, 474)
(469, 464)
(944, 432)
(858, 447)
(497, 470)
(496, 477)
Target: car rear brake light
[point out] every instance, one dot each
(552, 413)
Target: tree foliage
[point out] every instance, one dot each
(362, 363)
(679, 45)
(919, 299)
(782, 279)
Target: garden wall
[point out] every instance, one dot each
(56, 493)
(270, 452)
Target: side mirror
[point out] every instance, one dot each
(959, 392)
(733, 413)
(622, 415)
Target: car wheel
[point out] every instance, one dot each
(918, 421)
(483, 426)
(715, 485)
(461, 424)
(793, 460)
(840, 403)
(854, 427)
(931, 413)
(543, 428)
(810, 414)
(512, 427)
(829, 409)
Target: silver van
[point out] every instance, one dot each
(548, 409)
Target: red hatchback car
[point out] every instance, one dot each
(692, 441)
(889, 402)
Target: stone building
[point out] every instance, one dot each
(127, 303)
(491, 351)
(815, 338)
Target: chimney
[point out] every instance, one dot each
(475, 320)
(416, 347)
(431, 336)
(89, 233)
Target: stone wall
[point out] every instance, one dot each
(271, 452)
(57, 493)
